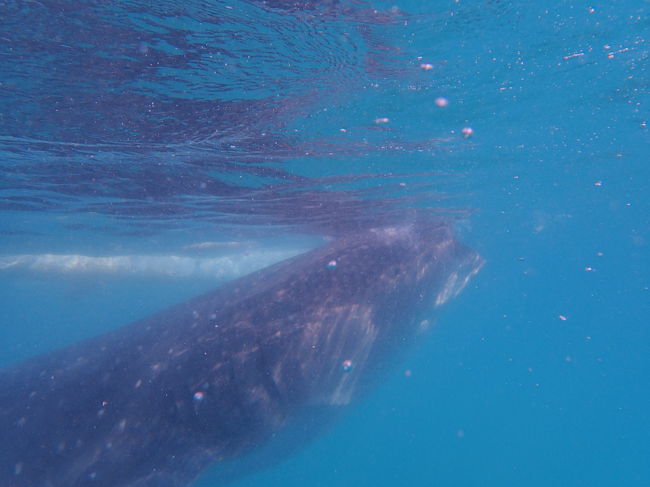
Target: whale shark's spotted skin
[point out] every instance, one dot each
(156, 402)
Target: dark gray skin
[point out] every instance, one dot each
(156, 402)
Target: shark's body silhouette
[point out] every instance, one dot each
(208, 380)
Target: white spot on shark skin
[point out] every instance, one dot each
(18, 468)
(389, 231)
(424, 326)
(174, 352)
(138, 384)
(101, 412)
(121, 426)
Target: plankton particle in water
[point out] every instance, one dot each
(442, 101)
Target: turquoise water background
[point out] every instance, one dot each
(539, 373)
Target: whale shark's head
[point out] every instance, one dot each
(367, 296)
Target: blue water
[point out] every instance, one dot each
(131, 128)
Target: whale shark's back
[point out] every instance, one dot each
(208, 380)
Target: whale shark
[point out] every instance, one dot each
(281, 352)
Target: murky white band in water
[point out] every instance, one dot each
(222, 267)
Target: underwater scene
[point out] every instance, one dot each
(324, 243)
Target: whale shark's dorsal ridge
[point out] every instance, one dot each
(212, 379)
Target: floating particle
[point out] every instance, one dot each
(408, 373)
(467, 132)
(199, 396)
(331, 264)
(382, 120)
(598, 184)
(347, 365)
(442, 101)
(571, 56)
(589, 269)
(562, 317)
(426, 66)
(343, 130)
